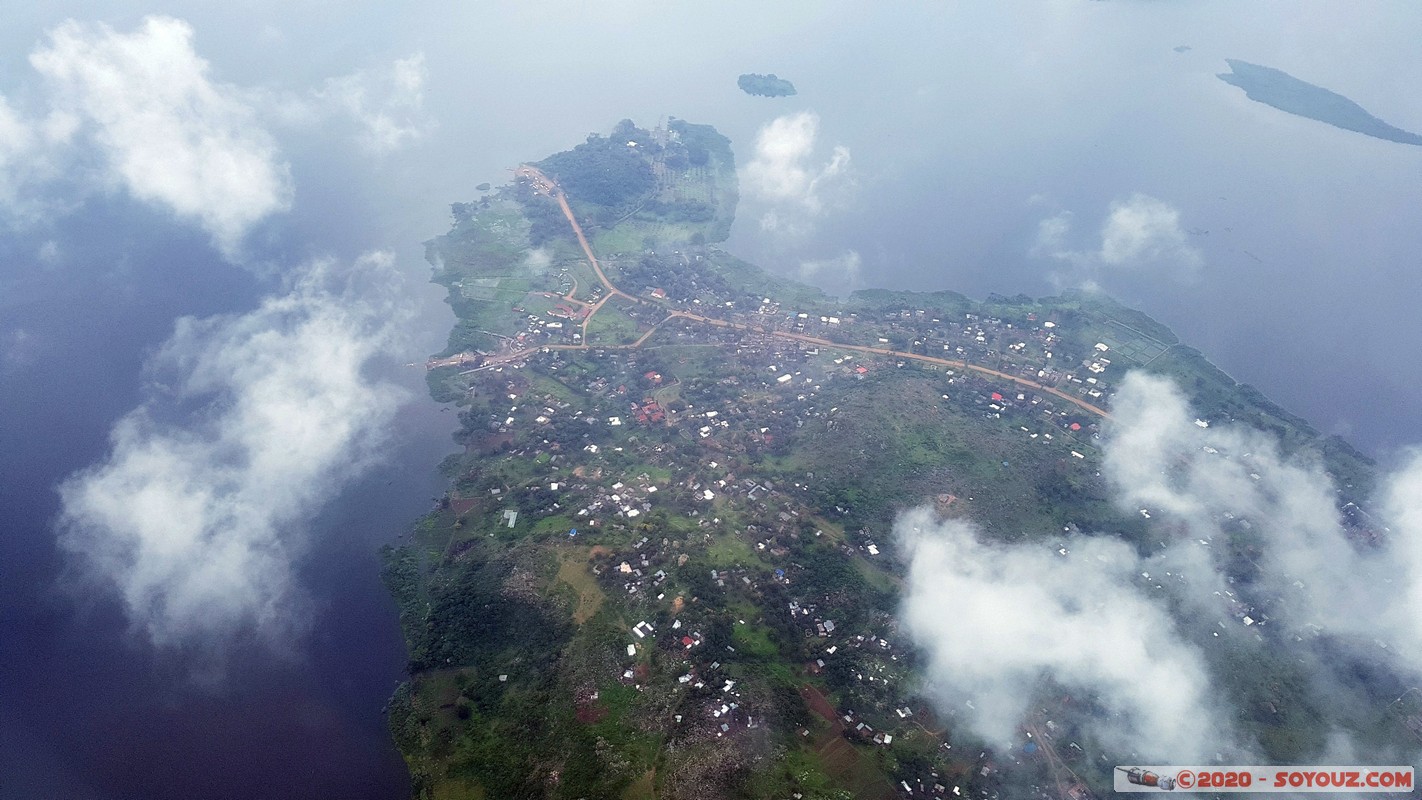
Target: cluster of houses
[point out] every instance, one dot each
(586, 449)
(1033, 349)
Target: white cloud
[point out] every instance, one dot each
(1052, 234)
(843, 272)
(1242, 528)
(138, 111)
(15, 134)
(782, 174)
(387, 104)
(197, 526)
(17, 139)
(1139, 231)
(1208, 479)
(1142, 229)
(994, 620)
(1402, 506)
(27, 162)
(170, 134)
(1225, 481)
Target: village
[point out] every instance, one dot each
(684, 473)
(1029, 352)
(649, 458)
(649, 461)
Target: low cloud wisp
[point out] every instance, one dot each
(1021, 613)
(782, 173)
(197, 525)
(387, 103)
(1138, 232)
(1252, 558)
(1211, 481)
(844, 272)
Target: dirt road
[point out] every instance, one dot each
(545, 185)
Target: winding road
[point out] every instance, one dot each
(548, 187)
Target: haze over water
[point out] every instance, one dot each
(966, 129)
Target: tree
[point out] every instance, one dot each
(603, 171)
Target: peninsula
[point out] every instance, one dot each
(664, 569)
(1285, 92)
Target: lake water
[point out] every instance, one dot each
(86, 710)
(967, 127)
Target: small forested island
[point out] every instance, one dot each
(765, 85)
(1285, 92)
(665, 564)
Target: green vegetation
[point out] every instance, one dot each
(765, 85)
(613, 326)
(608, 171)
(573, 570)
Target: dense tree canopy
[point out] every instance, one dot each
(765, 85)
(605, 171)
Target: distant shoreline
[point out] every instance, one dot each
(1279, 89)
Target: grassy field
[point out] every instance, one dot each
(1130, 343)
(612, 326)
(753, 641)
(573, 571)
(644, 788)
(729, 549)
(632, 236)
